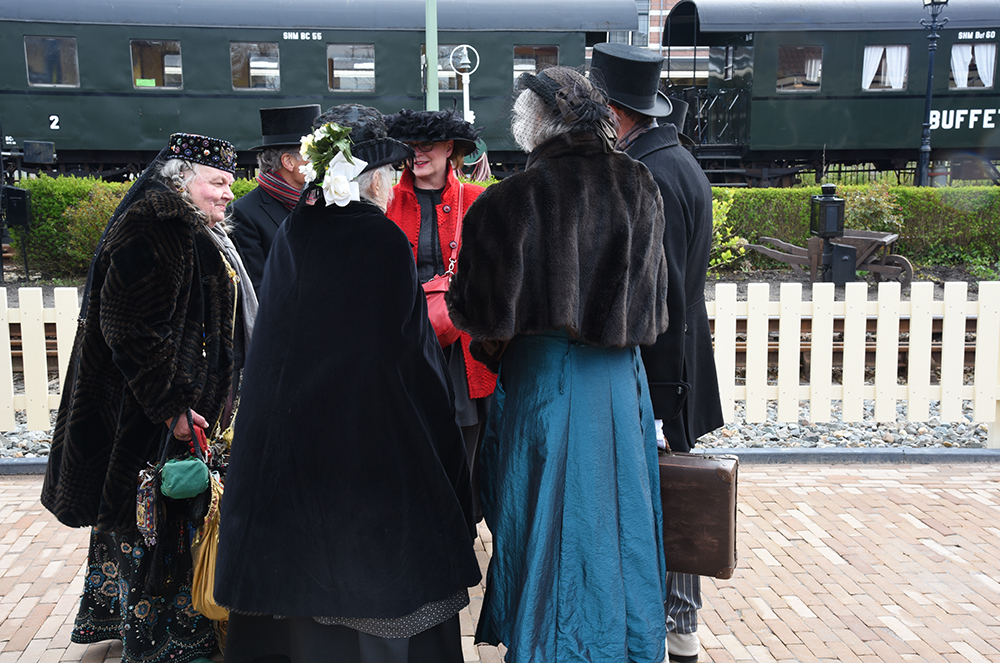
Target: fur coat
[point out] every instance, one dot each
(569, 244)
(156, 341)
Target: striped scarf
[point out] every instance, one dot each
(283, 192)
(633, 134)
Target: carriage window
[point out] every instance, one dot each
(973, 65)
(351, 67)
(254, 65)
(532, 59)
(885, 67)
(448, 80)
(51, 61)
(156, 63)
(800, 68)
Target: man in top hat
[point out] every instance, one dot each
(257, 215)
(681, 365)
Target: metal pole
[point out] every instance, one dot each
(431, 51)
(3, 208)
(924, 162)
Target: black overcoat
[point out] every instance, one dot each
(680, 366)
(348, 490)
(157, 340)
(256, 218)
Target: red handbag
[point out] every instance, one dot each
(437, 310)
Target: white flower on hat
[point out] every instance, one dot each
(339, 185)
(308, 170)
(306, 143)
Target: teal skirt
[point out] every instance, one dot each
(570, 492)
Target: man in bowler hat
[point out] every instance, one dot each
(257, 215)
(681, 365)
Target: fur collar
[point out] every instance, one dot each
(572, 244)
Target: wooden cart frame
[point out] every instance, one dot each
(874, 254)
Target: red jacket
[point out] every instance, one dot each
(404, 210)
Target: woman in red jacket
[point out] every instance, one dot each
(427, 205)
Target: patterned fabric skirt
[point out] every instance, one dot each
(115, 605)
(571, 494)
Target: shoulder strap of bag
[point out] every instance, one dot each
(458, 233)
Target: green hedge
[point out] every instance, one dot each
(68, 215)
(936, 225)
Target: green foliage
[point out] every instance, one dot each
(483, 183)
(323, 145)
(47, 237)
(242, 187)
(872, 207)
(932, 222)
(728, 248)
(85, 221)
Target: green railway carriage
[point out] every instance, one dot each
(802, 84)
(107, 81)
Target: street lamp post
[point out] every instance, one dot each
(464, 70)
(923, 165)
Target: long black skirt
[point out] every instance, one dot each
(116, 606)
(264, 639)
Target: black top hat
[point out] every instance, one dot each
(284, 127)
(631, 77)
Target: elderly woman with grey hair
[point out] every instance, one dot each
(347, 526)
(164, 319)
(560, 278)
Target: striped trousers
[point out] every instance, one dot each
(683, 602)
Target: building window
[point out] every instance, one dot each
(641, 36)
(973, 65)
(800, 68)
(885, 67)
(255, 65)
(532, 59)
(448, 80)
(51, 61)
(156, 63)
(350, 67)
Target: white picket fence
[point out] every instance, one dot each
(805, 336)
(954, 317)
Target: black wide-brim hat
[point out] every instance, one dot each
(630, 76)
(412, 126)
(285, 126)
(370, 141)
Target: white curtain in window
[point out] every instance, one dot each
(986, 62)
(961, 56)
(896, 58)
(873, 57)
(812, 69)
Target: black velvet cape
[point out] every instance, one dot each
(348, 490)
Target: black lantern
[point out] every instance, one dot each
(827, 215)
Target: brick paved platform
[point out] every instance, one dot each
(844, 563)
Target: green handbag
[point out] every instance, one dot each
(181, 478)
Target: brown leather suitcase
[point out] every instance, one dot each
(699, 513)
